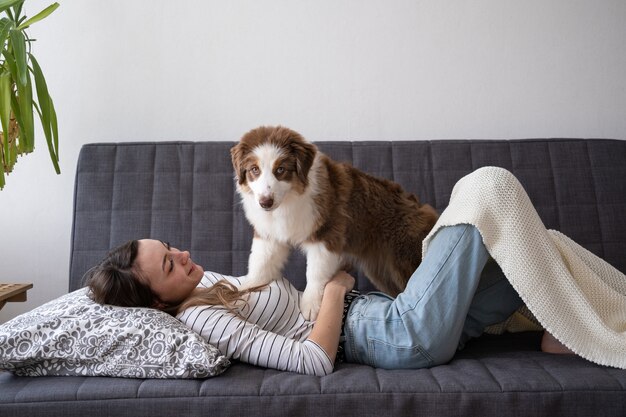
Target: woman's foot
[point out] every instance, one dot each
(549, 344)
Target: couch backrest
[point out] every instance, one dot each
(183, 192)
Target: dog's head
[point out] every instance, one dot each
(270, 162)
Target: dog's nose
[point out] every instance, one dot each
(266, 202)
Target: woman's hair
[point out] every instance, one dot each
(118, 281)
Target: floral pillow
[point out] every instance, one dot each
(73, 335)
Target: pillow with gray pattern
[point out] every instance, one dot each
(73, 335)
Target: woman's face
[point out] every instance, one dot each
(171, 274)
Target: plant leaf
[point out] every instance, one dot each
(53, 147)
(15, 106)
(39, 16)
(2, 183)
(18, 42)
(5, 109)
(5, 4)
(50, 142)
(46, 113)
(27, 114)
(13, 152)
(10, 62)
(27, 128)
(11, 157)
(55, 130)
(17, 9)
(5, 26)
(43, 97)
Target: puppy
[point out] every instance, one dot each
(294, 195)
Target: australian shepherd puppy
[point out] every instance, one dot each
(294, 195)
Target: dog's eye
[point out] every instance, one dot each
(255, 170)
(280, 170)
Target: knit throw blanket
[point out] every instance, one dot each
(575, 295)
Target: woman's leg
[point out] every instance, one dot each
(423, 325)
(494, 302)
(550, 344)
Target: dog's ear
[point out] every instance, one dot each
(237, 155)
(305, 155)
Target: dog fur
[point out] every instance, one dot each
(294, 195)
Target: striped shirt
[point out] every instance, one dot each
(271, 331)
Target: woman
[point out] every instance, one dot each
(453, 295)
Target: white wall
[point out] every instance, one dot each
(333, 69)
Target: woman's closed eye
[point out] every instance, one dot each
(166, 258)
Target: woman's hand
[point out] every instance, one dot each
(343, 280)
(327, 327)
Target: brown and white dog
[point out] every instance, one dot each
(294, 195)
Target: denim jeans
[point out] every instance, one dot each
(452, 296)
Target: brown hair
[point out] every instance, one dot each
(117, 280)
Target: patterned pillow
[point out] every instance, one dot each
(74, 335)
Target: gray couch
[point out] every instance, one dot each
(183, 192)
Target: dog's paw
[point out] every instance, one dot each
(249, 283)
(310, 304)
(245, 285)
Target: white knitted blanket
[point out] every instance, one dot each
(575, 295)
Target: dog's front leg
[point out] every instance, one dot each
(266, 261)
(321, 266)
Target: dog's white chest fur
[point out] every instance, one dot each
(292, 222)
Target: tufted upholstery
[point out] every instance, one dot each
(184, 192)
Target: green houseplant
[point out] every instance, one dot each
(18, 69)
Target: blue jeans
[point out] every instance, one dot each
(451, 297)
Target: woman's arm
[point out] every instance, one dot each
(245, 341)
(241, 340)
(327, 327)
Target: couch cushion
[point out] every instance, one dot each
(184, 192)
(493, 376)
